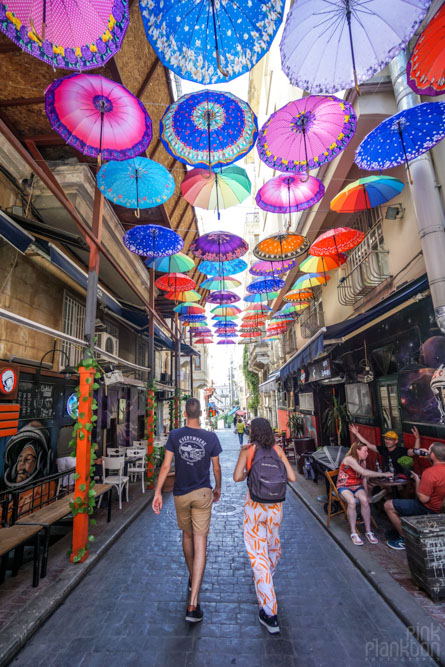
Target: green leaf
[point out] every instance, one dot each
(82, 487)
(93, 522)
(91, 538)
(89, 380)
(81, 435)
(95, 385)
(76, 475)
(88, 427)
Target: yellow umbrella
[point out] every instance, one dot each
(322, 264)
(185, 297)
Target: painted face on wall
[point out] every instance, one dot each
(7, 380)
(26, 463)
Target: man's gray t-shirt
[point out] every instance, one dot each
(193, 449)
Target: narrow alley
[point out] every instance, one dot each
(129, 610)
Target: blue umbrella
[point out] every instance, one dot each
(136, 183)
(402, 137)
(227, 334)
(208, 41)
(192, 318)
(208, 129)
(258, 298)
(178, 263)
(227, 268)
(263, 285)
(153, 241)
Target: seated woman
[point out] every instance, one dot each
(351, 483)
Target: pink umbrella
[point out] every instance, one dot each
(98, 116)
(306, 133)
(71, 34)
(288, 193)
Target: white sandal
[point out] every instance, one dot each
(356, 539)
(371, 538)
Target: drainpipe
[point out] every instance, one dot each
(426, 200)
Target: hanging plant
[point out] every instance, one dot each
(253, 382)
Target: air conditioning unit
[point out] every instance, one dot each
(108, 343)
(114, 377)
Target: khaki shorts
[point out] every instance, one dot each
(193, 511)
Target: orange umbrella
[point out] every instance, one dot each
(281, 246)
(425, 71)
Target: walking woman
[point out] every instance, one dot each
(262, 518)
(351, 484)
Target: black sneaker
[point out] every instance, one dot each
(269, 622)
(194, 616)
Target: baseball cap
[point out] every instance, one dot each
(391, 434)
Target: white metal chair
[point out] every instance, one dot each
(116, 451)
(137, 467)
(116, 465)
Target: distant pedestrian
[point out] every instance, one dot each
(268, 470)
(240, 428)
(194, 449)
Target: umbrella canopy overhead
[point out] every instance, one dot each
(322, 264)
(281, 246)
(288, 193)
(306, 133)
(228, 268)
(257, 308)
(224, 318)
(262, 285)
(336, 241)
(208, 129)
(253, 334)
(178, 263)
(175, 282)
(203, 341)
(136, 183)
(366, 193)
(200, 330)
(188, 309)
(227, 334)
(192, 318)
(309, 280)
(220, 283)
(211, 42)
(225, 310)
(226, 341)
(75, 34)
(265, 296)
(219, 247)
(222, 297)
(335, 45)
(224, 188)
(153, 241)
(426, 67)
(267, 268)
(188, 296)
(98, 117)
(402, 137)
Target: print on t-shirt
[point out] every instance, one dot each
(191, 449)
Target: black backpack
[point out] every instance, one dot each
(267, 476)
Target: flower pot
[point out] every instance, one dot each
(425, 550)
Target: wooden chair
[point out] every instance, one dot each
(334, 497)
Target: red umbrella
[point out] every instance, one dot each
(425, 71)
(335, 241)
(175, 282)
(251, 334)
(203, 341)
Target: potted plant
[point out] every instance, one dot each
(336, 419)
(295, 425)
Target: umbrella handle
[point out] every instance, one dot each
(35, 33)
(218, 62)
(137, 213)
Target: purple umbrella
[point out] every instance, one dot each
(288, 193)
(222, 297)
(226, 341)
(219, 247)
(306, 133)
(265, 268)
(227, 334)
(262, 285)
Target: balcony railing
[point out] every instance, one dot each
(366, 268)
(312, 319)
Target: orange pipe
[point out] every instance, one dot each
(83, 461)
(150, 437)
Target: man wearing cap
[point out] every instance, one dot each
(391, 451)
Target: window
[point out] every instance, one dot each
(389, 405)
(141, 357)
(306, 401)
(312, 318)
(197, 363)
(358, 399)
(73, 325)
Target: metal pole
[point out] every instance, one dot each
(151, 330)
(191, 369)
(426, 199)
(93, 272)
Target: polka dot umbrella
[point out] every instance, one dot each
(402, 137)
(263, 285)
(222, 297)
(289, 193)
(219, 247)
(192, 318)
(425, 71)
(153, 241)
(281, 246)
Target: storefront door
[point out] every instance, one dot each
(389, 404)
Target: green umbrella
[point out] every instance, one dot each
(178, 263)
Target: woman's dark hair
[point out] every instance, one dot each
(261, 433)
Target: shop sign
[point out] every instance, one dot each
(9, 375)
(320, 370)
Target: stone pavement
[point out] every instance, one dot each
(129, 610)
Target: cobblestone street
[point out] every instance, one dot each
(129, 610)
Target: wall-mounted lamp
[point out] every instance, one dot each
(394, 212)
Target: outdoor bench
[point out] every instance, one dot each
(29, 525)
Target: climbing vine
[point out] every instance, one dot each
(150, 431)
(83, 429)
(253, 382)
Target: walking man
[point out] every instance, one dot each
(240, 430)
(193, 448)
